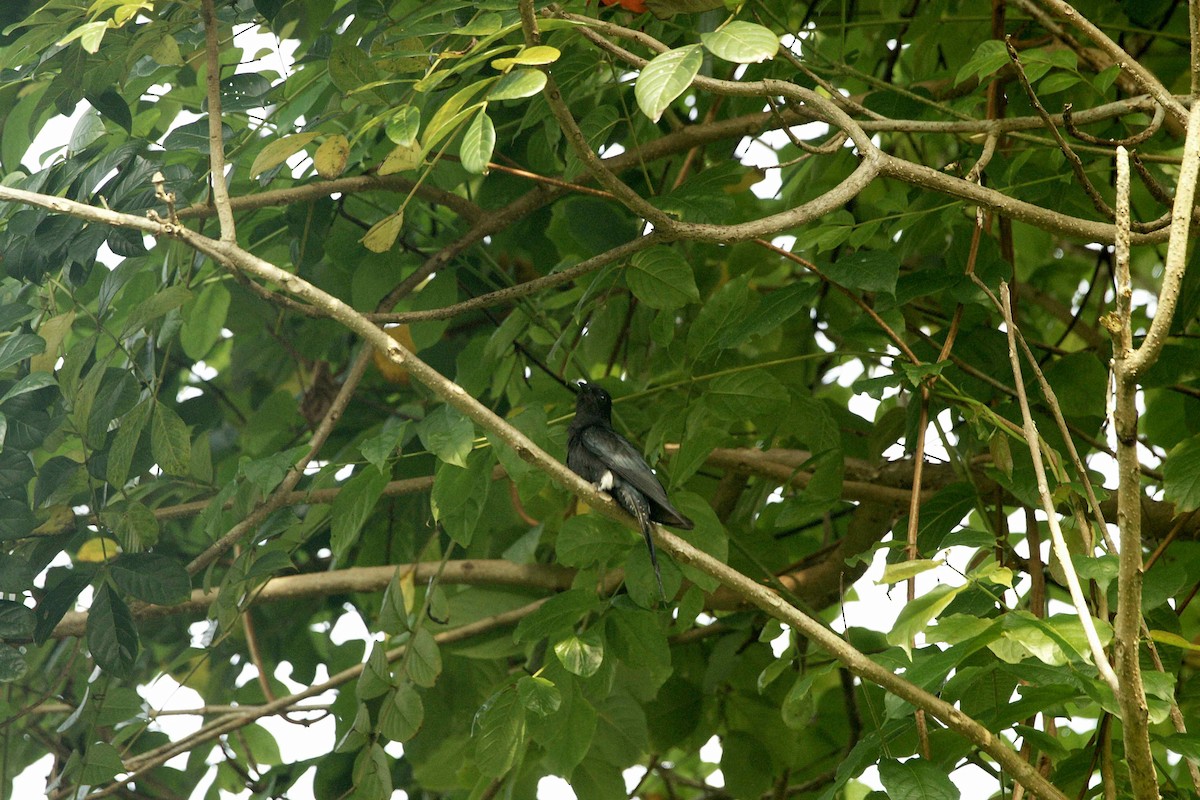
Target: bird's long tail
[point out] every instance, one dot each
(635, 503)
(648, 532)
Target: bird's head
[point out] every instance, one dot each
(593, 401)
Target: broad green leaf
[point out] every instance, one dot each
(918, 613)
(12, 664)
(742, 42)
(350, 67)
(16, 520)
(460, 494)
(280, 151)
(517, 84)
(204, 317)
(424, 660)
(151, 577)
(447, 434)
(120, 454)
(403, 126)
(582, 655)
(153, 307)
(372, 774)
(499, 733)
(34, 381)
(560, 613)
(16, 621)
(58, 599)
(376, 677)
(538, 695)
(989, 57)
(101, 764)
(1181, 475)
(667, 76)
(170, 441)
(18, 347)
(111, 635)
(454, 111)
(916, 779)
(661, 278)
(478, 142)
(587, 539)
(402, 158)
(738, 395)
(868, 270)
(725, 309)
(402, 713)
(351, 508)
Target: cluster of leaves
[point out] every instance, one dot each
(148, 409)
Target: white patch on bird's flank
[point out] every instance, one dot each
(605, 483)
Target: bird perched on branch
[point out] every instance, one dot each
(606, 459)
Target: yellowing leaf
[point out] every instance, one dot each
(98, 550)
(331, 157)
(279, 151)
(383, 234)
(402, 158)
(536, 56)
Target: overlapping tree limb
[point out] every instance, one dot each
(875, 162)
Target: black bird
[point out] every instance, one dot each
(606, 459)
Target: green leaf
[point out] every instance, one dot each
(916, 779)
(152, 577)
(153, 307)
(538, 695)
(460, 494)
(18, 347)
(376, 677)
(517, 84)
(775, 309)
(203, 319)
(667, 76)
(582, 655)
(372, 774)
(895, 573)
(379, 448)
(16, 520)
(478, 143)
(111, 635)
(1181, 475)
(404, 125)
(989, 56)
(12, 664)
(170, 441)
(588, 539)
(120, 454)
(738, 395)
(868, 270)
(101, 764)
(16, 621)
(351, 508)
(447, 434)
(1057, 82)
(562, 612)
(423, 661)
(917, 614)
(402, 713)
(499, 733)
(742, 42)
(724, 310)
(661, 278)
(454, 111)
(58, 600)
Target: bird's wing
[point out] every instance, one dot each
(624, 459)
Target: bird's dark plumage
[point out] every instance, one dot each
(606, 459)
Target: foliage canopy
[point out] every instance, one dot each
(785, 236)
